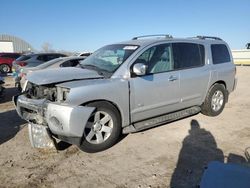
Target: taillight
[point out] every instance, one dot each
(21, 63)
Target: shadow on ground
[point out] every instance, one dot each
(198, 149)
(10, 124)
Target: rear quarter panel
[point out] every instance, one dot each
(223, 72)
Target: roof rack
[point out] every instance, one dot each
(208, 37)
(160, 35)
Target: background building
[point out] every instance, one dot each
(10, 43)
(242, 56)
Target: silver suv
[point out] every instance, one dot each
(127, 87)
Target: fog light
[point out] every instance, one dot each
(40, 137)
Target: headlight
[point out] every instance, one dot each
(25, 85)
(62, 93)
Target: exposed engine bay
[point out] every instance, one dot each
(49, 92)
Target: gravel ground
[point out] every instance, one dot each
(172, 155)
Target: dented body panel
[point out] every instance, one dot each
(114, 90)
(63, 120)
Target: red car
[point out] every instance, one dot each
(6, 60)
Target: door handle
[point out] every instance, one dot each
(172, 78)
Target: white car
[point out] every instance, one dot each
(71, 61)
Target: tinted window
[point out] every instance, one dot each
(6, 55)
(158, 58)
(48, 57)
(23, 58)
(15, 56)
(66, 64)
(42, 58)
(70, 63)
(52, 56)
(187, 55)
(220, 53)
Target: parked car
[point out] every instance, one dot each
(127, 87)
(6, 60)
(1, 86)
(31, 60)
(84, 54)
(71, 61)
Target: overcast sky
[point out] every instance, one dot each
(82, 25)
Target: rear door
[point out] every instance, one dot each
(158, 91)
(189, 58)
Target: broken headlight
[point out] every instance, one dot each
(62, 93)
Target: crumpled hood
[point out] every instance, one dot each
(49, 76)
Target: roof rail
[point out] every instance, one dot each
(208, 37)
(160, 35)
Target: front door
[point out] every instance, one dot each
(157, 92)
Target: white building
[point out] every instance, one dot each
(14, 44)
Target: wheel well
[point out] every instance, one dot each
(113, 104)
(221, 82)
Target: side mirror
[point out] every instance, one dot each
(139, 69)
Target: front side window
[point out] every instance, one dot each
(188, 55)
(158, 59)
(108, 58)
(220, 53)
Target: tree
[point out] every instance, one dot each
(47, 47)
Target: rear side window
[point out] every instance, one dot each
(23, 58)
(14, 56)
(188, 55)
(220, 53)
(48, 57)
(6, 55)
(42, 58)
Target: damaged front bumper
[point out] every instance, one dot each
(47, 119)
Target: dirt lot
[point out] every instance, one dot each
(173, 155)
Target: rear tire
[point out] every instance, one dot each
(215, 100)
(103, 128)
(4, 68)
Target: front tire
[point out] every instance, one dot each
(215, 100)
(103, 128)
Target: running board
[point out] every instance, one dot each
(145, 124)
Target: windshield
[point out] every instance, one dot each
(108, 58)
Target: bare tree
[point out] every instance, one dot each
(47, 47)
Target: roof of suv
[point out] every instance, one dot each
(145, 42)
